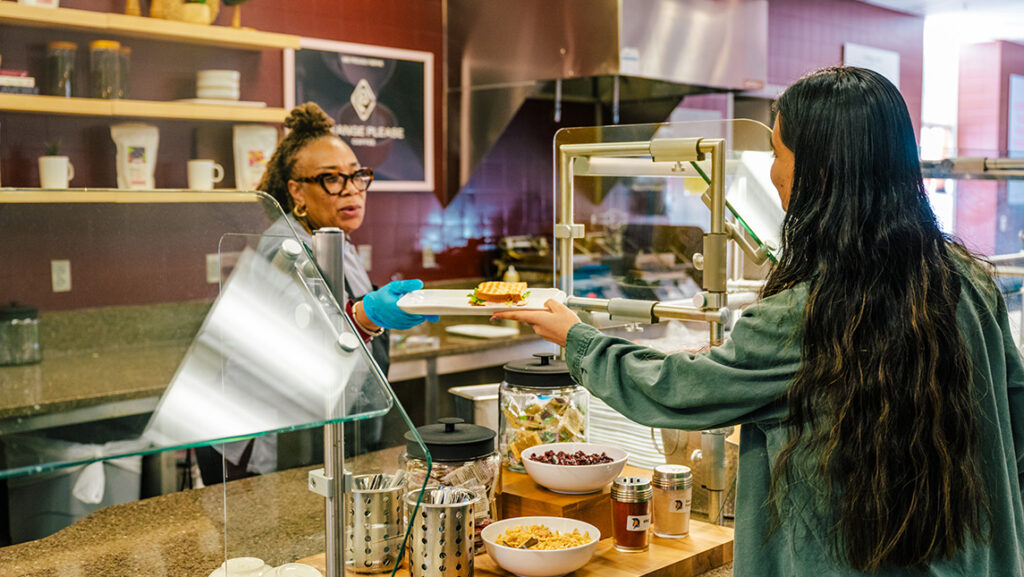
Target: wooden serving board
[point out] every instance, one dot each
(708, 546)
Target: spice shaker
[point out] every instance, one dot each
(672, 492)
(539, 403)
(631, 513)
(462, 455)
(19, 335)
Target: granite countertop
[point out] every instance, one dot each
(273, 517)
(75, 380)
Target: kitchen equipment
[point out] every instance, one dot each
(374, 524)
(462, 456)
(574, 479)
(441, 540)
(19, 335)
(541, 562)
(631, 513)
(477, 404)
(539, 404)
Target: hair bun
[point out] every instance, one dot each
(308, 118)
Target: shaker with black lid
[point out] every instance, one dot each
(539, 404)
(462, 455)
(19, 335)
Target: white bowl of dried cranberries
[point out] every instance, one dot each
(574, 468)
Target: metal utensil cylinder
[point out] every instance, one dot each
(374, 527)
(441, 540)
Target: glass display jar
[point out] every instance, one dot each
(462, 455)
(19, 335)
(60, 69)
(124, 61)
(539, 404)
(104, 68)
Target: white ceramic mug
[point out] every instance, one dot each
(55, 171)
(203, 174)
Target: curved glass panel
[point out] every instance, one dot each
(170, 319)
(645, 219)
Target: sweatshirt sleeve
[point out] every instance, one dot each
(1014, 391)
(743, 380)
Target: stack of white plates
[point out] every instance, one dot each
(610, 427)
(218, 84)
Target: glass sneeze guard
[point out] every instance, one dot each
(193, 319)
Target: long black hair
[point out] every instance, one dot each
(881, 409)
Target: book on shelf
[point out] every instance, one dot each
(25, 81)
(18, 90)
(12, 72)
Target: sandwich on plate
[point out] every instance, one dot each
(500, 292)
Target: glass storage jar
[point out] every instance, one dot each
(539, 404)
(104, 68)
(19, 335)
(124, 61)
(462, 455)
(60, 69)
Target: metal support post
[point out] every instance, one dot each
(329, 247)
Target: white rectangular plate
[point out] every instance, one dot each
(483, 331)
(456, 302)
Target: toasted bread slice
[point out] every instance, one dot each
(500, 291)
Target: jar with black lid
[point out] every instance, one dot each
(539, 404)
(462, 455)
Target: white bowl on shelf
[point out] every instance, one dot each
(242, 567)
(218, 94)
(294, 570)
(219, 75)
(540, 563)
(574, 479)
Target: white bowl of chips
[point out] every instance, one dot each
(562, 545)
(574, 479)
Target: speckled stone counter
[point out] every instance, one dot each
(117, 361)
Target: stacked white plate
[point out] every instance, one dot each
(218, 84)
(610, 427)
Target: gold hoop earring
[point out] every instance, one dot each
(300, 211)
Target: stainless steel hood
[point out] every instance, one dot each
(614, 52)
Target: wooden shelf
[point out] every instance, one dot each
(142, 27)
(39, 104)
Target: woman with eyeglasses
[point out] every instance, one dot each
(318, 181)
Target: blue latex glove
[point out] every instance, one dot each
(381, 306)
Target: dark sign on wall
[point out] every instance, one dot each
(381, 102)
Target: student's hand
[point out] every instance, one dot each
(381, 306)
(552, 325)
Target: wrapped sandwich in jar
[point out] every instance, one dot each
(539, 404)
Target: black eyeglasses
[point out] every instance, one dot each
(334, 183)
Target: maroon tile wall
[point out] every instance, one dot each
(983, 216)
(510, 194)
(804, 36)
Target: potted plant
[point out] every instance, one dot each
(55, 170)
(236, 17)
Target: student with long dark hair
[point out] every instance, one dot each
(880, 392)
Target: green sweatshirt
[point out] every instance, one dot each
(744, 381)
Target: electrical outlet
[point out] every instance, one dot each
(428, 257)
(60, 275)
(212, 269)
(366, 255)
